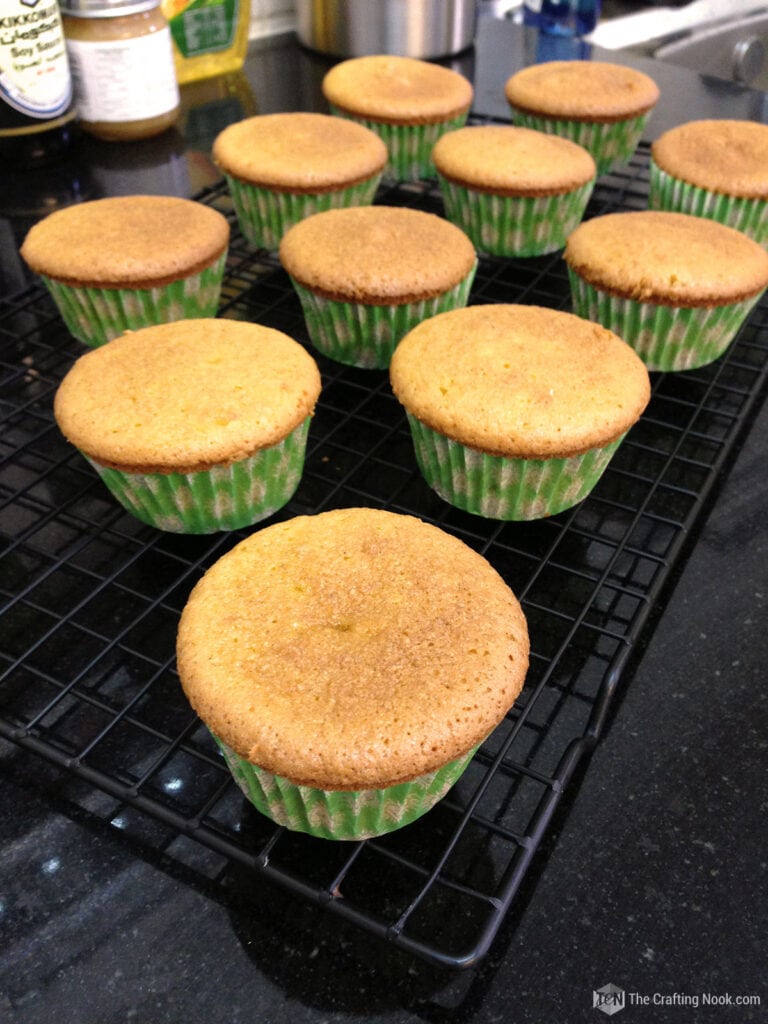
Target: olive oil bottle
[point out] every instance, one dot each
(210, 37)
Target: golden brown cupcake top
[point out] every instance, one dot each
(730, 157)
(520, 381)
(126, 241)
(186, 395)
(512, 161)
(582, 90)
(354, 649)
(672, 259)
(378, 255)
(299, 152)
(397, 90)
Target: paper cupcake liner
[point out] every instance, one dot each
(665, 337)
(514, 225)
(341, 814)
(264, 215)
(366, 336)
(96, 315)
(409, 145)
(498, 487)
(749, 216)
(610, 144)
(220, 498)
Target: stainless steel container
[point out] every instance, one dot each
(409, 28)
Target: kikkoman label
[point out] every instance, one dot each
(34, 70)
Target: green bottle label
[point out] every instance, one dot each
(205, 26)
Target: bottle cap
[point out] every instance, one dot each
(106, 8)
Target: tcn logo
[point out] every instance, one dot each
(609, 999)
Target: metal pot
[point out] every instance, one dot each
(409, 28)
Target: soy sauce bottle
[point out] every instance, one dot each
(37, 112)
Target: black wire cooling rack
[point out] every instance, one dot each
(92, 598)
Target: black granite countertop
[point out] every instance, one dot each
(652, 875)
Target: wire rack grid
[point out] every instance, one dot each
(91, 600)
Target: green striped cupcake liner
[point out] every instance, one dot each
(96, 315)
(499, 487)
(409, 145)
(341, 814)
(264, 215)
(366, 336)
(749, 216)
(220, 498)
(665, 337)
(514, 225)
(611, 144)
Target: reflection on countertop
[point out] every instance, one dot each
(178, 161)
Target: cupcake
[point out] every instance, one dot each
(194, 426)
(365, 276)
(603, 107)
(349, 664)
(515, 411)
(674, 286)
(127, 262)
(716, 169)
(283, 167)
(408, 102)
(515, 191)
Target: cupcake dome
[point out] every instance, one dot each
(366, 275)
(128, 262)
(714, 168)
(674, 286)
(602, 106)
(349, 663)
(194, 426)
(515, 191)
(283, 167)
(408, 102)
(515, 411)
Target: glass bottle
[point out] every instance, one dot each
(36, 108)
(562, 17)
(210, 37)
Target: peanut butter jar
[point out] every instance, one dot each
(123, 71)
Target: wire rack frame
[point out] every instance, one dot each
(91, 599)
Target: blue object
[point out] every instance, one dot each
(562, 17)
(553, 46)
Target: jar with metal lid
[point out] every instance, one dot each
(121, 57)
